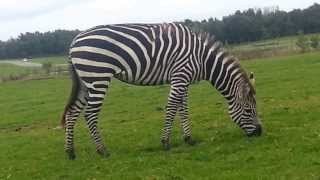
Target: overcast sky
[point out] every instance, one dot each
(19, 16)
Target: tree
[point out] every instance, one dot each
(302, 42)
(37, 44)
(257, 24)
(315, 41)
(312, 19)
(47, 67)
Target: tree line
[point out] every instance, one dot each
(257, 24)
(28, 44)
(242, 26)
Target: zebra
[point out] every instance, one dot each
(148, 55)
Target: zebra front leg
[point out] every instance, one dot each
(185, 123)
(95, 101)
(171, 110)
(174, 101)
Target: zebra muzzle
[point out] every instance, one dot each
(256, 132)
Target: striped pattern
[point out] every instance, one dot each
(153, 54)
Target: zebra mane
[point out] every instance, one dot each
(211, 42)
(244, 74)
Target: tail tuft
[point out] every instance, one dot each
(63, 119)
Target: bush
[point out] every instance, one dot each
(315, 41)
(302, 42)
(47, 67)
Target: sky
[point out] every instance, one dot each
(20, 16)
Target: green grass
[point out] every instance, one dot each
(53, 59)
(288, 95)
(10, 69)
(284, 46)
(287, 42)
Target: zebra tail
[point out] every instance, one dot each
(74, 93)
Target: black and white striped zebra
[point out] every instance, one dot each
(153, 54)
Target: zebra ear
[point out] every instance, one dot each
(252, 80)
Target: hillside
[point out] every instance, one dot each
(282, 46)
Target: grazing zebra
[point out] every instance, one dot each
(153, 54)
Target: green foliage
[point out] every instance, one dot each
(258, 24)
(288, 102)
(315, 41)
(303, 42)
(37, 44)
(47, 67)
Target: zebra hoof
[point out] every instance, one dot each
(189, 140)
(165, 145)
(70, 154)
(103, 153)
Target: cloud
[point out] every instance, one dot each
(15, 10)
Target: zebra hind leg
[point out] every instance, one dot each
(96, 94)
(72, 112)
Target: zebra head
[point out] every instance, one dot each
(242, 108)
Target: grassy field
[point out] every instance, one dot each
(282, 42)
(288, 95)
(283, 46)
(53, 60)
(12, 71)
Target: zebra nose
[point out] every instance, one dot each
(256, 132)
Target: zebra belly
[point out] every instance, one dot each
(122, 76)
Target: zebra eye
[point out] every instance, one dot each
(248, 110)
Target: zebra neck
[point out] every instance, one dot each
(223, 72)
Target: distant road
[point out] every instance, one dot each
(22, 63)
